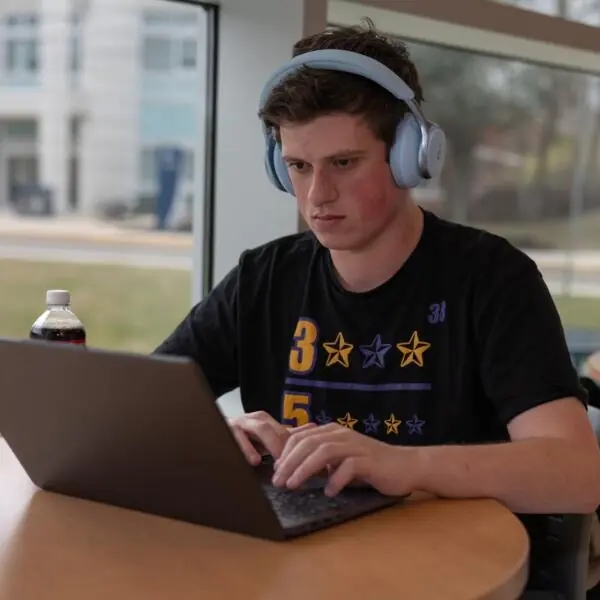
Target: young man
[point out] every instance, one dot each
(387, 345)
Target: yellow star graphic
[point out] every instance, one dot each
(347, 421)
(392, 424)
(338, 352)
(412, 351)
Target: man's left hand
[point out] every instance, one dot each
(349, 457)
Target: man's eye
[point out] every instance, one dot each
(344, 163)
(297, 166)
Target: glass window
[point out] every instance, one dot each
(83, 200)
(523, 162)
(189, 52)
(582, 11)
(21, 43)
(170, 41)
(157, 53)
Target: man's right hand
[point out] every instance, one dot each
(258, 433)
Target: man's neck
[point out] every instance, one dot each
(368, 268)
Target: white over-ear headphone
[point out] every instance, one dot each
(419, 149)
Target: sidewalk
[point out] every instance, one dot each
(139, 232)
(79, 229)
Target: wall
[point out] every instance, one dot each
(255, 38)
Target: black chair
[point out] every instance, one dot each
(559, 555)
(592, 389)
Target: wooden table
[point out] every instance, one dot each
(55, 547)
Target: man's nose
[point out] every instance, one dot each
(322, 189)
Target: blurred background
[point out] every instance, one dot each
(130, 151)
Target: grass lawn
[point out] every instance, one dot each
(128, 308)
(579, 313)
(122, 308)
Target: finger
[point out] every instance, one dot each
(264, 417)
(250, 452)
(306, 461)
(273, 438)
(347, 471)
(301, 428)
(319, 434)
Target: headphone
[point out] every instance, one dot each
(419, 148)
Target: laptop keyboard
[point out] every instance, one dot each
(309, 507)
(301, 503)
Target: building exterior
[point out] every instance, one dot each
(89, 90)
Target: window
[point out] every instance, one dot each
(87, 173)
(76, 47)
(189, 53)
(524, 162)
(157, 53)
(170, 41)
(583, 11)
(21, 35)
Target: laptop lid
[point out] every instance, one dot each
(141, 432)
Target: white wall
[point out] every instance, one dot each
(255, 38)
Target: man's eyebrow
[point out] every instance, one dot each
(337, 155)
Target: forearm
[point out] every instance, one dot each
(541, 475)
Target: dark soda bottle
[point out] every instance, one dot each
(58, 323)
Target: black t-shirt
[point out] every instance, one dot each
(463, 338)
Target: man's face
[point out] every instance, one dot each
(342, 181)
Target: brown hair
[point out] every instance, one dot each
(310, 93)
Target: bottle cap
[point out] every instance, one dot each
(58, 297)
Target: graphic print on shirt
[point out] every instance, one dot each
(338, 352)
(374, 353)
(334, 365)
(413, 350)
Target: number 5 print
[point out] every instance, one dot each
(295, 409)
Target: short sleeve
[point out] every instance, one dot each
(209, 335)
(524, 358)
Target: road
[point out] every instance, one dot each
(585, 283)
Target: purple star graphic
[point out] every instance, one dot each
(415, 425)
(322, 418)
(374, 353)
(371, 424)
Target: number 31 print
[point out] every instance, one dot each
(437, 313)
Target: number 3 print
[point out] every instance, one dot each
(303, 354)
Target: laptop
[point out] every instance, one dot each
(145, 433)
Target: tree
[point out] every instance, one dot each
(470, 95)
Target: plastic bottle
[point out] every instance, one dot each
(58, 323)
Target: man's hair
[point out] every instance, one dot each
(310, 93)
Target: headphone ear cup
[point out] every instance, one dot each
(436, 150)
(404, 154)
(269, 164)
(281, 171)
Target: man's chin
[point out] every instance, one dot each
(334, 242)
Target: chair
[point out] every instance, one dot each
(559, 555)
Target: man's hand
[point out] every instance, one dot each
(349, 456)
(259, 433)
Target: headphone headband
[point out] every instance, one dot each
(342, 60)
